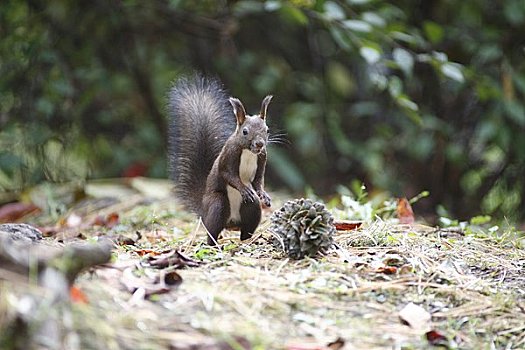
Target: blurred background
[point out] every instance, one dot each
(403, 96)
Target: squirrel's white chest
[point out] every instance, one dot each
(247, 169)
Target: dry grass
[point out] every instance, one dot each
(250, 295)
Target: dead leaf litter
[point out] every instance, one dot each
(381, 286)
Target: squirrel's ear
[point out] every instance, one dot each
(238, 110)
(264, 106)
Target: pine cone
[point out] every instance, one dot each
(303, 228)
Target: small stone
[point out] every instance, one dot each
(21, 232)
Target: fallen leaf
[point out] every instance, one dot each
(336, 344)
(346, 225)
(108, 221)
(70, 226)
(77, 296)
(122, 239)
(12, 212)
(393, 260)
(387, 270)
(146, 285)
(174, 259)
(436, 338)
(142, 252)
(405, 213)
(416, 317)
(172, 278)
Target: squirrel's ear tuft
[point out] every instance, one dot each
(238, 110)
(264, 106)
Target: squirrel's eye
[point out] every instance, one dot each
(245, 131)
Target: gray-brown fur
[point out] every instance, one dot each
(200, 122)
(234, 175)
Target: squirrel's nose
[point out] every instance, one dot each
(259, 144)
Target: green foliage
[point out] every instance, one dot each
(405, 98)
(355, 204)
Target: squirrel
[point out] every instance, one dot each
(217, 165)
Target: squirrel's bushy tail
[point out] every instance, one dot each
(200, 121)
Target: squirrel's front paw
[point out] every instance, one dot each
(248, 195)
(265, 199)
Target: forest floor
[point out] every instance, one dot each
(383, 285)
